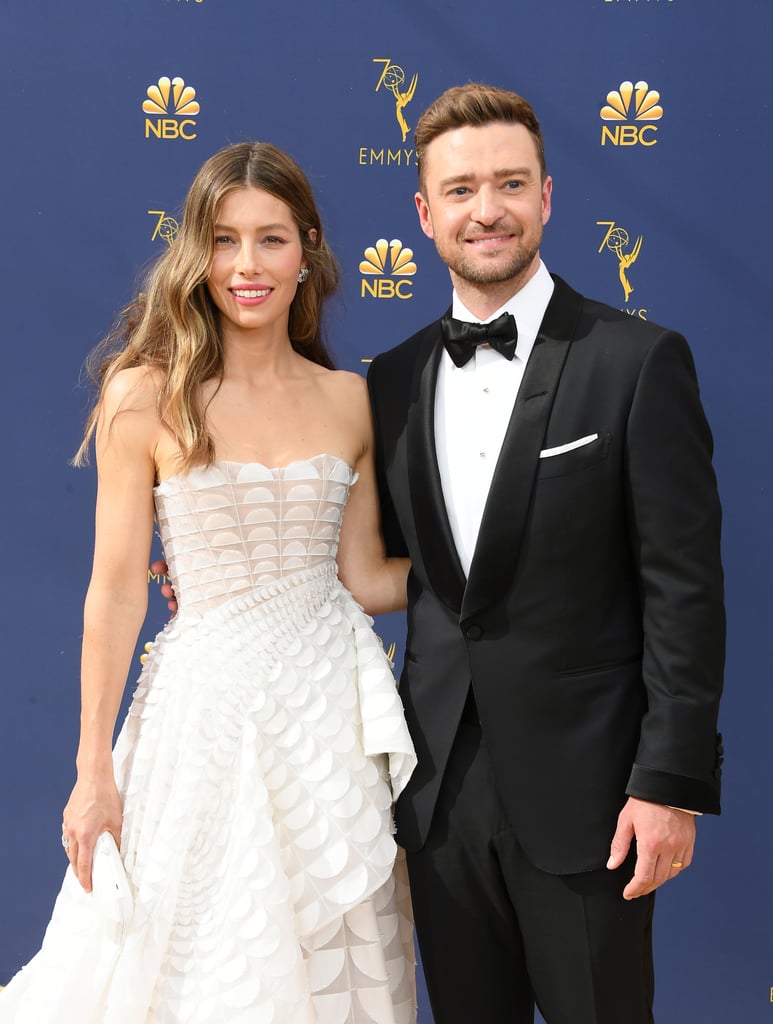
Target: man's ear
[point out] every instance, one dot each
(547, 194)
(425, 217)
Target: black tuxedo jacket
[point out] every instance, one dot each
(591, 625)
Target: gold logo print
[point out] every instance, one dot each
(646, 103)
(166, 227)
(170, 97)
(631, 102)
(393, 78)
(616, 240)
(375, 258)
(400, 263)
(182, 96)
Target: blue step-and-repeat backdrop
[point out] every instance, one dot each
(658, 123)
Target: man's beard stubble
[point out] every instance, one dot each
(482, 273)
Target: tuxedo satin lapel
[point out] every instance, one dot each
(504, 516)
(433, 530)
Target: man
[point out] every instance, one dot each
(565, 625)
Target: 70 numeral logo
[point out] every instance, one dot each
(166, 227)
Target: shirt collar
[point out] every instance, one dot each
(528, 306)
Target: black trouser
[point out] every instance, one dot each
(497, 935)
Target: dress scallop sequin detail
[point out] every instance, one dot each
(258, 764)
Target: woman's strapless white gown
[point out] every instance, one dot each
(258, 764)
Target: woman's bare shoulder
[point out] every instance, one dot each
(347, 383)
(134, 389)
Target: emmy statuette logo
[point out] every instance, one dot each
(618, 241)
(377, 280)
(166, 227)
(392, 81)
(171, 96)
(629, 103)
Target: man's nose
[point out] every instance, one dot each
(488, 207)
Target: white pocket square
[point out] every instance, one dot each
(547, 453)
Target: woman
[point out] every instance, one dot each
(251, 785)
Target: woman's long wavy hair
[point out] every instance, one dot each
(174, 327)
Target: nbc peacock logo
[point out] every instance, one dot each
(387, 269)
(629, 103)
(170, 97)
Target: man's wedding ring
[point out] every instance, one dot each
(65, 841)
(677, 864)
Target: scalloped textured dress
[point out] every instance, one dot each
(258, 765)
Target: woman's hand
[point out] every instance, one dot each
(160, 568)
(94, 807)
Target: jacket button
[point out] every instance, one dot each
(473, 631)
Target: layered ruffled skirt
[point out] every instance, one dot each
(258, 765)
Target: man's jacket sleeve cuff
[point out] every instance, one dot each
(674, 790)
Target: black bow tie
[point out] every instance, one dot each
(461, 339)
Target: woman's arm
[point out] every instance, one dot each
(377, 582)
(115, 606)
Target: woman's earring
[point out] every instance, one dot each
(303, 273)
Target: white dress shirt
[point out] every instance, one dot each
(473, 405)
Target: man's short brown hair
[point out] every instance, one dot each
(473, 105)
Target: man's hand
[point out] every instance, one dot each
(162, 569)
(665, 838)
